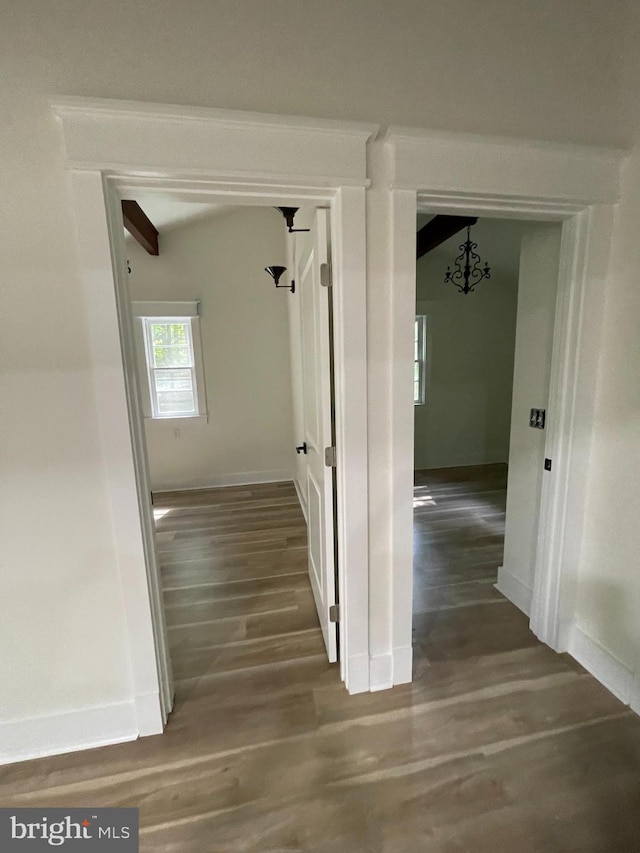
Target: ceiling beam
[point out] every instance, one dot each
(439, 229)
(140, 226)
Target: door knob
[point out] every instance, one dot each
(302, 448)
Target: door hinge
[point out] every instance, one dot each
(330, 457)
(547, 464)
(334, 613)
(325, 275)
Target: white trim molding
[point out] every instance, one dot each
(166, 309)
(380, 672)
(485, 169)
(604, 666)
(513, 589)
(240, 478)
(102, 134)
(509, 178)
(81, 728)
(403, 665)
(70, 731)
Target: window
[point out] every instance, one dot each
(170, 361)
(420, 360)
(170, 357)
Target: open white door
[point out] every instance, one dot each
(312, 276)
(528, 447)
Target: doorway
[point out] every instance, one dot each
(245, 561)
(486, 294)
(452, 174)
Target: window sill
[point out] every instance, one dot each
(175, 422)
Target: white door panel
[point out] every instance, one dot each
(316, 371)
(537, 294)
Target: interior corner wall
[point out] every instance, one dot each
(470, 345)
(245, 345)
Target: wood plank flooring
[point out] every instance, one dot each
(236, 588)
(499, 744)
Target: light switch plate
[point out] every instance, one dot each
(537, 418)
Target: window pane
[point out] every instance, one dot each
(171, 356)
(416, 371)
(176, 403)
(170, 344)
(170, 334)
(174, 392)
(416, 391)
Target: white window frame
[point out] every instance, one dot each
(145, 314)
(421, 322)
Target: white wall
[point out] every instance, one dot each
(537, 293)
(410, 62)
(244, 328)
(608, 610)
(470, 338)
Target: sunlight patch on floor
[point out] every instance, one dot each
(160, 513)
(423, 500)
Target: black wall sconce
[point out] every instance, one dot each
(289, 215)
(276, 274)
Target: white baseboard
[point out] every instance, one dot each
(565, 627)
(148, 715)
(513, 589)
(36, 737)
(403, 665)
(458, 464)
(385, 671)
(242, 478)
(634, 698)
(609, 671)
(380, 672)
(357, 674)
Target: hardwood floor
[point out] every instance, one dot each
(499, 744)
(236, 588)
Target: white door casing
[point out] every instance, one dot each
(202, 154)
(507, 178)
(312, 254)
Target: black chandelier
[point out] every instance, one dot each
(468, 272)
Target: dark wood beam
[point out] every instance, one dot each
(439, 229)
(140, 226)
